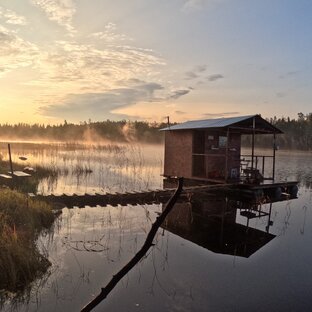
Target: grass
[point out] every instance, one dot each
(29, 184)
(86, 167)
(21, 221)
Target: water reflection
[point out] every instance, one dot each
(212, 224)
(91, 244)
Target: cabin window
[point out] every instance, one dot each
(222, 141)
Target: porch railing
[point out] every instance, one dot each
(263, 164)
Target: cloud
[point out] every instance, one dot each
(289, 74)
(215, 77)
(200, 68)
(220, 115)
(130, 81)
(196, 72)
(280, 94)
(110, 34)
(100, 105)
(59, 11)
(193, 5)
(177, 94)
(84, 65)
(84, 77)
(11, 17)
(180, 112)
(190, 75)
(15, 52)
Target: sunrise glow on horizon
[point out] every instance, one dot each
(188, 59)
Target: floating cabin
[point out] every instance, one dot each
(209, 151)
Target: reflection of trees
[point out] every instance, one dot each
(305, 181)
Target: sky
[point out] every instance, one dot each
(81, 60)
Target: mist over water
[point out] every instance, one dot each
(186, 270)
(89, 167)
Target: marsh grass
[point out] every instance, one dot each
(21, 221)
(73, 167)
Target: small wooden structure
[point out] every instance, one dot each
(13, 176)
(210, 150)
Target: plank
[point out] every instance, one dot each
(5, 176)
(20, 174)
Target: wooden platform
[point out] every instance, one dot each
(20, 174)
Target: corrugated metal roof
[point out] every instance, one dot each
(208, 123)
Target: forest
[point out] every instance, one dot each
(91, 132)
(297, 132)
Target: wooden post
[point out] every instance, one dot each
(274, 151)
(269, 219)
(10, 160)
(227, 155)
(168, 122)
(253, 143)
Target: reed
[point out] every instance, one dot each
(21, 221)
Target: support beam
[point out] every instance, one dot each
(274, 154)
(253, 143)
(227, 155)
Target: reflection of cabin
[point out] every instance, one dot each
(211, 149)
(211, 223)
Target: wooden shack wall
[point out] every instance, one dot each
(178, 153)
(210, 157)
(234, 155)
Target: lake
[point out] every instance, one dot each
(202, 260)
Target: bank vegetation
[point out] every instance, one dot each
(21, 221)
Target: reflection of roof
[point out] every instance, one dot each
(243, 123)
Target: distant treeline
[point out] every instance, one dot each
(93, 132)
(297, 132)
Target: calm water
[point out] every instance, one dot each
(201, 261)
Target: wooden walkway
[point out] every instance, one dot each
(239, 191)
(60, 201)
